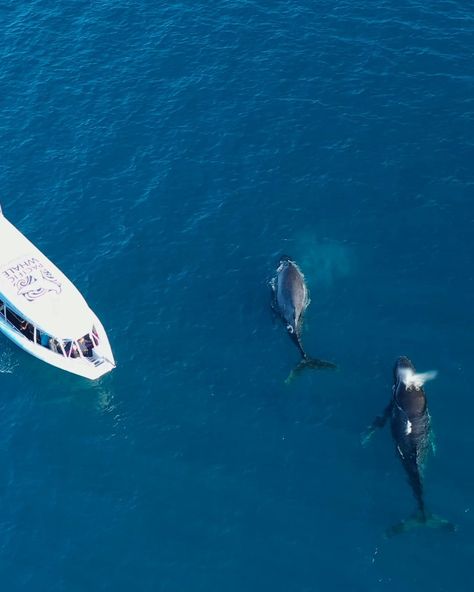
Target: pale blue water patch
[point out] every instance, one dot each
(164, 156)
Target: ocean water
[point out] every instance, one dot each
(163, 155)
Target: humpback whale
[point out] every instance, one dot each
(290, 300)
(410, 423)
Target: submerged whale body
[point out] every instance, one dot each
(410, 424)
(290, 300)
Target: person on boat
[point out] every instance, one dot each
(86, 346)
(71, 350)
(26, 329)
(54, 345)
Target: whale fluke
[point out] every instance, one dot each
(311, 363)
(420, 519)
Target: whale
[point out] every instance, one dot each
(410, 423)
(290, 301)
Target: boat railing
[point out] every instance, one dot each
(86, 347)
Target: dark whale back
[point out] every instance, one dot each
(410, 417)
(410, 423)
(291, 294)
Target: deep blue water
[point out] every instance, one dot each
(164, 155)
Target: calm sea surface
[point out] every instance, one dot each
(164, 154)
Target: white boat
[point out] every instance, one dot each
(44, 313)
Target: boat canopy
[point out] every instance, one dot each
(38, 290)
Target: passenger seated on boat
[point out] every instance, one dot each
(54, 345)
(42, 338)
(86, 345)
(26, 329)
(71, 349)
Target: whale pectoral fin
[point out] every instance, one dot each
(366, 436)
(430, 521)
(379, 422)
